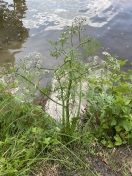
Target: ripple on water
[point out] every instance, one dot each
(108, 20)
(97, 12)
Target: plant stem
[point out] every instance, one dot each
(80, 98)
(63, 103)
(68, 97)
(39, 89)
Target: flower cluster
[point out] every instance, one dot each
(112, 62)
(33, 60)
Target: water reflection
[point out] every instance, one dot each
(12, 32)
(109, 21)
(57, 14)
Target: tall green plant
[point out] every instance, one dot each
(109, 97)
(70, 75)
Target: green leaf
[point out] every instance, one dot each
(1, 142)
(127, 125)
(118, 128)
(55, 141)
(104, 142)
(129, 137)
(2, 86)
(2, 160)
(34, 129)
(118, 140)
(122, 62)
(105, 126)
(127, 102)
(114, 122)
(110, 144)
(47, 141)
(14, 85)
(74, 123)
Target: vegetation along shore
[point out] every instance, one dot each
(88, 132)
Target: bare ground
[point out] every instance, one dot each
(100, 161)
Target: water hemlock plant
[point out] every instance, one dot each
(73, 72)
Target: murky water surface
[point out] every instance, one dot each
(26, 25)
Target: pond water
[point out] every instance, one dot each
(26, 25)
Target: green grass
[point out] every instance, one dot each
(31, 145)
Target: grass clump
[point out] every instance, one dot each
(26, 134)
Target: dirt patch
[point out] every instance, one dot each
(112, 162)
(100, 161)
